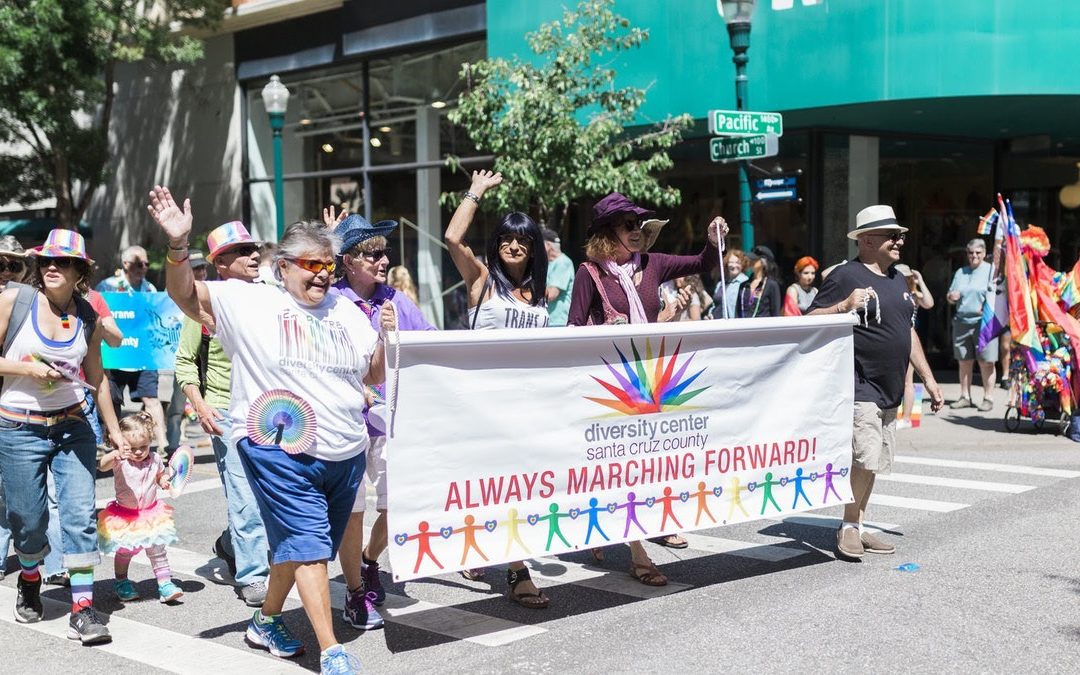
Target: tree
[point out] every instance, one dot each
(58, 61)
(557, 125)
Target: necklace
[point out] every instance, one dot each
(65, 317)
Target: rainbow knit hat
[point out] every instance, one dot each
(62, 244)
(226, 236)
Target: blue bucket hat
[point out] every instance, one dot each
(355, 229)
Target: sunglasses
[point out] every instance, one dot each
(523, 240)
(314, 266)
(242, 251)
(13, 266)
(60, 263)
(376, 255)
(895, 236)
(139, 264)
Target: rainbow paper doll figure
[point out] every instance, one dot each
(798, 480)
(736, 498)
(469, 529)
(766, 492)
(829, 487)
(702, 503)
(423, 545)
(631, 513)
(512, 533)
(594, 520)
(669, 512)
(553, 525)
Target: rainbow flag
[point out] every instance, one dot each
(1022, 317)
(995, 312)
(986, 223)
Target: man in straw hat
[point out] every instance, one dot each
(885, 342)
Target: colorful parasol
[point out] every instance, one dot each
(280, 417)
(180, 470)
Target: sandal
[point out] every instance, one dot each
(476, 574)
(597, 553)
(671, 541)
(647, 573)
(528, 600)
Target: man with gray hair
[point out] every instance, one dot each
(143, 384)
(967, 292)
(560, 279)
(885, 342)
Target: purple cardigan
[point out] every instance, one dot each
(656, 268)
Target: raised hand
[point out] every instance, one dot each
(330, 220)
(718, 229)
(484, 180)
(175, 222)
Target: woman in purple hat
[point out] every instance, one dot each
(50, 332)
(506, 292)
(620, 284)
(364, 257)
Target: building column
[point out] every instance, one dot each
(428, 217)
(863, 169)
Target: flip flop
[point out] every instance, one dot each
(670, 541)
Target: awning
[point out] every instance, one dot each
(32, 231)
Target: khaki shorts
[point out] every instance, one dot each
(873, 438)
(376, 475)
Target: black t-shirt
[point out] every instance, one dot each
(882, 350)
(748, 305)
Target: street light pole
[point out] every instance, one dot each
(737, 15)
(275, 97)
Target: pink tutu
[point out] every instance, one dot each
(120, 527)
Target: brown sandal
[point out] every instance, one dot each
(648, 574)
(597, 553)
(528, 600)
(476, 574)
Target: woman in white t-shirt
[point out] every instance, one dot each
(301, 358)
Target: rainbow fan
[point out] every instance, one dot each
(180, 470)
(280, 417)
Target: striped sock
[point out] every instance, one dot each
(82, 588)
(29, 570)
(160, 562)
(122, 561)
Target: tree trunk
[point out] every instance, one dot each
(62, 187)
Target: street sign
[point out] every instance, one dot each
(745, 123)
(732, 149)
(776, 189)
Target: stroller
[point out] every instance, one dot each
(1040, 388)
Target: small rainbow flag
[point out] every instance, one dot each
(916, 406)
(986, 223)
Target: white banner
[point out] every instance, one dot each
(514, 444)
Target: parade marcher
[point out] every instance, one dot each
(726, 298)
(364, 257)
(560, 279)
(885, 342)
(50, 331)
(968, 292)
(760, 294)
(304, 468)
(800, 295)
(137, 520)
(620, 284)
(141, 384)
(174, 418)
(922, 299)
(204, 374)
(509, 291)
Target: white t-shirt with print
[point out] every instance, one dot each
(320, 353)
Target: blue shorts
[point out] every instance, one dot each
(304, 502)
(141, 383)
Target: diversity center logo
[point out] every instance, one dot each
(648, 385)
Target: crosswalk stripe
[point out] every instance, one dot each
(987, 466)
(831, 523)
(743, 549)
(153, 646)
(913, 503)
(941, 481)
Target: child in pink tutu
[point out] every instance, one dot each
(136, 520)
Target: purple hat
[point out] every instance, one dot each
(612, 205)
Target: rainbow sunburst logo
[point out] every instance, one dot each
(648, 385)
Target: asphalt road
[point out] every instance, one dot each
(986, 515)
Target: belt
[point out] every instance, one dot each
(46, 418)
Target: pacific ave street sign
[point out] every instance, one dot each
(745, 123)
(731, 149)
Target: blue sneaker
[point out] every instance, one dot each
(125, 590)
(168, 591)
(273, 636)
(360, 612)
(337, 661)
(370, 575)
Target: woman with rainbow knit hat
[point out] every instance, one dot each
(50, 332)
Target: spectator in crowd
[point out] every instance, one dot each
(174, 418)
(398, 278)
(142, 384)
(800, 295)
(560, 279)
(760, 294)
(726, 299)
(968, 291)
(204, 374)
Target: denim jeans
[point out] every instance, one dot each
(27, 453)
(246, 538)
(53, 561)
(92, 418)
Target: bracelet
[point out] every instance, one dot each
(473, 196)
(169, 259)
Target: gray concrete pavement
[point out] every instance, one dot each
(987, 516)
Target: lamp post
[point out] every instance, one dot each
(275, 97)
(736, 14)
